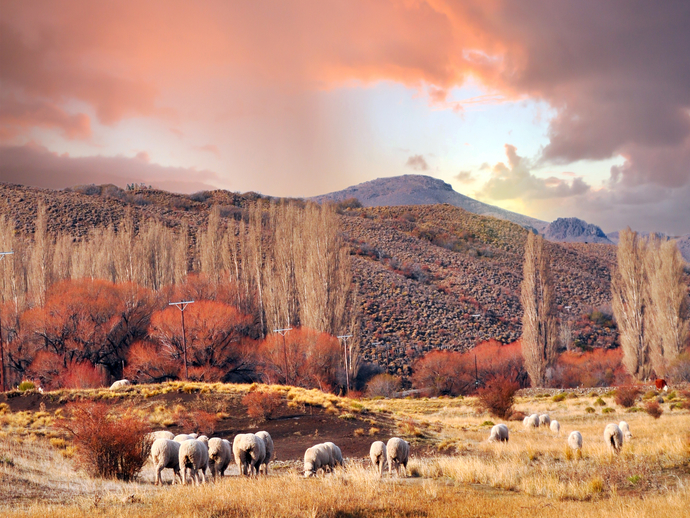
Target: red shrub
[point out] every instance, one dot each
(597, 368)
(498, 396)
(626, 396)
(653, 408)
(261, 405)
(198, 421)
(108, 445)
(303, 357)
(443, 373)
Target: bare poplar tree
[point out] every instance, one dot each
(629, 292)
(209, 250)
(539, 329)
(667, 308)
(40, 261)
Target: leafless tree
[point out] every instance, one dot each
(667, 308)
(539, 327)
(629, 292)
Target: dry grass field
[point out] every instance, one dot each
(454, 471)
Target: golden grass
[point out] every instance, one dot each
(535, 470)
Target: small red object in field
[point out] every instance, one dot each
(660, 384)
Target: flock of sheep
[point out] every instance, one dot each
(614, 434)
(189, 454)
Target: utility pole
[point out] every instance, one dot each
(282, 332)
(2, 346)
(347, 364)
(182, 306)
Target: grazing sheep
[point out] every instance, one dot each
(193, 456)
(219, 456)
(166, 454)
(627, 434)
(398, 453)
(202, 438)
(336, 454)
(556, 427)
(120, 384)
(575, 441)
(249, 451)
(377, 454)
(270, 449)
(317, 457)
(162, 434)
(613, 437)
(544, 420)
(525, 421)
(499, 433)
(533, 421)
(182, 437)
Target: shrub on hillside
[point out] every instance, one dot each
(626, 396)
(383, 385)
(498, 396)
(107, 445)
(261, 405)
(199, 421)
(653, 408)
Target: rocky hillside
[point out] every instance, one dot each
(429, 276)
(414, 189)
(574, 230)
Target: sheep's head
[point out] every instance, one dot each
(309, 469)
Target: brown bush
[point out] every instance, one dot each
(498, 397)
(626, 396)
(384, 385)
(653, 408)
(107, 445)
(199, 421)
(261, 405)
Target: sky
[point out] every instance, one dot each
(549, 108)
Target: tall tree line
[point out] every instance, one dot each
(650, 303)
(287, 262)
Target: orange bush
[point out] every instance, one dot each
(597, 368)
(304, 357)
(108, 445)
(261, 405)
(498, 396)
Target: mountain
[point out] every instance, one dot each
(574, 230)
(414, 189)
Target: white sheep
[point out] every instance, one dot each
(377, 454)
(120, 384)
(336, 454)
(556, 427)
(398, 453)
(165, 454)
(533, 421)
(194, 435)
(249, 452)
(613, 437)
(544, 420)
(575, 441)
(627, 434)
(499, 433)
(193, 456)
(525, 421)
(161, 434)
(203, 439)
(270, 450)
(182, 437)
(219, 456)
(317, 457)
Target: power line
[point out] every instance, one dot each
(347, 370)
(2, 346)
(182, 305)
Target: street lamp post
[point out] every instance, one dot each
(2, 344)
(182, 306)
